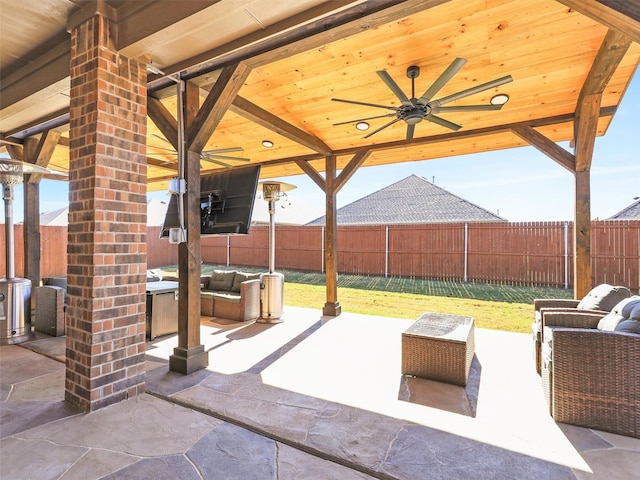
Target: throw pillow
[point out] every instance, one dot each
(603, 297)
(619, 313)
(628, 326)
(221, 280)
(242, 277)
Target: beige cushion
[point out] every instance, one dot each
(242, 277)
(221, 280)
(629, 308)
(603, 297)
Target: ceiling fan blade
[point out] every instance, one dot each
(386, 78)
(382, 127)
(465, 108)
(217, 162)
(443, 122)
(410, 130)
(165, 149)
(365, 104)
(224, 157)
(447, 75)
(476, 89)
(161, 138)
(363, 119)
(223, 150)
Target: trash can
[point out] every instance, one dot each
(15, 310)
(272, 297)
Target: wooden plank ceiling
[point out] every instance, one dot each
(546, 46)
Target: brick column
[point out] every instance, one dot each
(105, 323)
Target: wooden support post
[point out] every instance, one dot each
(190, 356)
(332, 306)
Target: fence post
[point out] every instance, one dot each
(322, 249)
(386, 251)
(566, 255)
(466, 250)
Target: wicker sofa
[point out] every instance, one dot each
(598, 302)
(231, 295)
(591, 374)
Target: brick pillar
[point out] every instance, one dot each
(107, 254)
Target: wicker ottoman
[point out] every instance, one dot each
(439, 347)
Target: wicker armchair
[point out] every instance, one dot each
(599, 301)
(592, 379)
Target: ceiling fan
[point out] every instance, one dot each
(413, 110)
(212, 156)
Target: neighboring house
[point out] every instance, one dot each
(412, 200)
(632, 212)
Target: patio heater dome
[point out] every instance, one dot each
(272, 288)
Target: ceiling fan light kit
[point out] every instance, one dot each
(413, 110)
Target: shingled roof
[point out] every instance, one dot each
(632, 212)
(412, 200)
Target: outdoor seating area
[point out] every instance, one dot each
(230, 294)
(590, 367)
(327, 393)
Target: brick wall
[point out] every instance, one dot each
(107, 221)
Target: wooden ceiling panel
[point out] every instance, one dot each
(547, 47)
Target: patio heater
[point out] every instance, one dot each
(272, 288)
(15, 293)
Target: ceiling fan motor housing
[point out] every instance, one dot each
(415, 113)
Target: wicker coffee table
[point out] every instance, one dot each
(439, 347)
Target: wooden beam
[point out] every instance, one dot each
(608, 58)
(351, 168)
(41, 73)
(332, 306)
(582, 235)
(167, 165)
(461, 134)
(164, 120)
(216, 105)
(254, 113)
(551, 149)
(42, 153)
(620, 15)
(37, 151)
(613, 49)
(312, 173)
(309, 29)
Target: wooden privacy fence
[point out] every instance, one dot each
(533, 253)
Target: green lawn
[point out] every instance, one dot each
(500, 307)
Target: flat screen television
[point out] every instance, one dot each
(226, 202)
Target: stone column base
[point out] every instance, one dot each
(188, 360)
(332, 309)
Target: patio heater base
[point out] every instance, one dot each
(15, 311)
(272, 298)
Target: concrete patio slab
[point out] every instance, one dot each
(311, 397)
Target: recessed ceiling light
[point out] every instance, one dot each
(267, 143)
(499, 99)
(362, 126)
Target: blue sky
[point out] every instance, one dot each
(519, 184)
